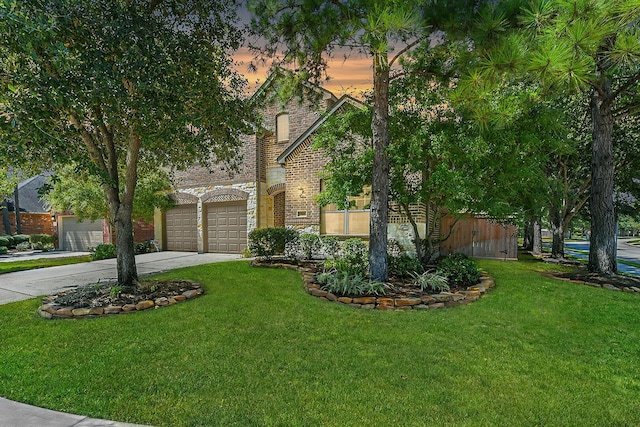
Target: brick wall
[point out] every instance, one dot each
(279, 210)
(303, 184)
(198, 176)
(33, 223)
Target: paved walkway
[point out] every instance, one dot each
(24, 285)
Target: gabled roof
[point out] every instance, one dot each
(279, 72)
(337, 106)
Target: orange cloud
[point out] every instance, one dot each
(352, 75)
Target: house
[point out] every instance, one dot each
(32, 213)
(275, 186)
(73, 233)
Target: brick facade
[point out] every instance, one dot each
(33, 223)
(303, 184)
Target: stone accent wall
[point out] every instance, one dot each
(32, 223)
(212, 191)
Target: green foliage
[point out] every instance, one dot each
(8, 241)
(45, 242)
(19, 238)
(459, 270)
(115, 291)
(345, 283)
(79, 191)
(143, 247)
(267, 242)
(42, 238)
(103, 251)
(310, 244)
(354, 260)
(403, 265)
(331, 246)
(4, 250)
(431, 281)
(155, 88)
(24, 246)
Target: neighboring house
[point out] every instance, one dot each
(33, 214)
(275, 186)
(73, 234)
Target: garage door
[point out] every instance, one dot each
(182, 229)
(80, 236)
(226, 227)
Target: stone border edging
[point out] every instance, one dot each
(49, 310)
(440, 300)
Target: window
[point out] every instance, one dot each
(354, 221)
(282, 127)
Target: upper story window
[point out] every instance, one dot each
(282, 127)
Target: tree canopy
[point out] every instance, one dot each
(110, 86)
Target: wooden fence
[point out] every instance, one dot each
(479, 237)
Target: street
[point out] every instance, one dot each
(626, 252)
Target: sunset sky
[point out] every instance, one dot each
(350, 76)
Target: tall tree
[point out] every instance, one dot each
(120, 83)
(309, 31)
(589, 46)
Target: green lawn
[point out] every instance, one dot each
(257, 350)
(30, 264)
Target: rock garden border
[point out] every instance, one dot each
(50, 310)
(425, 302)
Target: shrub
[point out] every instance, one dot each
(143, 247)
(42, 238)
(6, 241)
(4, 250)
(403, 265)
(459, 270)
(20, 238)
(103, 251)
(344, 283)
(309, 244)
(43, 242)
(394, 248)
(24, 246)
(266, 242)
(356, 256)
(431, 280)
(331, 246)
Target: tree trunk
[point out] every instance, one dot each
(417, 240)
(126, 261)
(602, 253)
(16, 204)
(5, 217)
(557, 230)
(527, 243)
(537, 238)
(379, 213)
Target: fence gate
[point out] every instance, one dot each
(479, 237)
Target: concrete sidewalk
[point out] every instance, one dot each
(14, 414)
(24, 285)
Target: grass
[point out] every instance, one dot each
(11, 266)
(257, 350)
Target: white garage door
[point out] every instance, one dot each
(226, 227)
(182, 228)
(80, 236)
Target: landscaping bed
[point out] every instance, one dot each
(107, 299)
(398, 294)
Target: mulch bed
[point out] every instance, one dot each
(101, 295)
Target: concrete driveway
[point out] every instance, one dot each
(23, 285)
